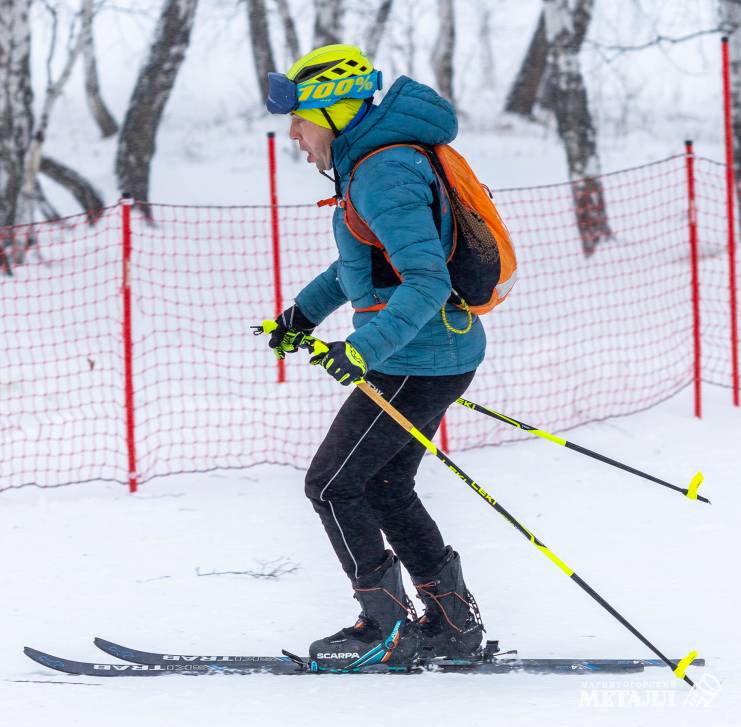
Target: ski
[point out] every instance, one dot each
(491, 661)
(490, 655)
(249, 665)
(149, 657)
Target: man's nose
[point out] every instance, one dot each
(293, 130)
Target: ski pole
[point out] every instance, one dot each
(318, 347)
(690, 492)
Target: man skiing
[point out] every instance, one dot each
(406, 343)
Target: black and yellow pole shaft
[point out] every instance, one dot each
(679, 668)
(690, 491)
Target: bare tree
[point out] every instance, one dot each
(16, 97)
(32, 196)
(524, 91)
(87, 196)
(28, 199)
(262, 51)
(401, 40)
(289, 28)
(533, 83)
(377, 28)
(442, 53)
(48, 210)
(103, 117)
(16, 115)
(136, 144)
(565, 29)
(485, 51)
(487, 54)
(328, 16)
(408, 45)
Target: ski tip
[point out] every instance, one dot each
(41, 657)
(109, 647)
(114, 649)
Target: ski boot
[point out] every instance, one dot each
(451, 625)
(382, 635)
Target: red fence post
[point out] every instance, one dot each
(730, 204)
(126, 204)
(276, 241)
(692, 219)
(444, 435)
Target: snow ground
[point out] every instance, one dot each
(93, 560)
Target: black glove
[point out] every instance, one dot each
(342, 361)
(291, 322)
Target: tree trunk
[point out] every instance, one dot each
(730, 15)
(262, 51)
(103, 117)
(136, 144)
(48, 210)
(27, 202)
(581, 18)
(524, 92)
(533, 83)
(289, 28)
(16, 115)
(16, 98)
(564, 33)
(83, 191)
(442, 54)
(328, 15)
(376, 30)
(486, 96)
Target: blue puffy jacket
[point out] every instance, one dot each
(399, 197)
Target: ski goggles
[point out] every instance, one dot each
(285, 95)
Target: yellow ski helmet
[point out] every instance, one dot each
(326, 86)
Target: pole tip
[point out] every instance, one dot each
(724, 39)
(271, 134)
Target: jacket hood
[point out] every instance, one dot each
(409, 113)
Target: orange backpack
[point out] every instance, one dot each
(482, 262)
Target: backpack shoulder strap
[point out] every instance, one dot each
(354, 221)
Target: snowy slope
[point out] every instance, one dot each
(93, 560)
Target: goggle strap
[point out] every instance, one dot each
(331, 123)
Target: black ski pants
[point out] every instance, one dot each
(361, 480)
